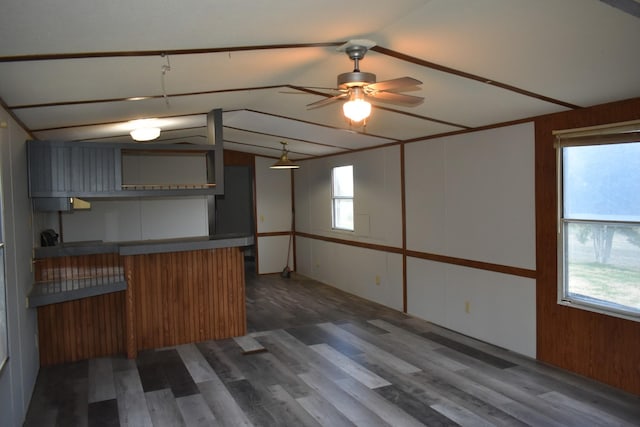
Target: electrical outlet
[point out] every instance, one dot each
(377, 280)
(467, 307)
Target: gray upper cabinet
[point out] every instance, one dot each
(95, 170)
(59, 169)
(49, 169)
(91, 170)
(63, 169)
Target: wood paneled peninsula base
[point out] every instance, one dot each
(175, 292)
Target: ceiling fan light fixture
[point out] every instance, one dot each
(284, 162)
(356, 109)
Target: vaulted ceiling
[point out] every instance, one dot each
(72, 69)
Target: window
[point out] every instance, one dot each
(342, 197)
(599, 242)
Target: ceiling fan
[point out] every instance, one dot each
(358, 86)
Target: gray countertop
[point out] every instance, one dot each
(145, 246)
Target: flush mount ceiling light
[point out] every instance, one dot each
(144, 130)
(284, 162)
(145, 134)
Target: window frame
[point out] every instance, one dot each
(602, 135)
(335, 198)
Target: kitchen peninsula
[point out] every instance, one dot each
(96, 299)
(140, 265)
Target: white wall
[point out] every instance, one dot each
(273, 215)
(18, 376)
(112, 220)
(374, 275)
(137, 219)
(377, 197)
(469, 196)
(371, 274)
(502, 308)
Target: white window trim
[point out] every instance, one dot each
(334, 198)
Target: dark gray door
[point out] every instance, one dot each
(234, 209)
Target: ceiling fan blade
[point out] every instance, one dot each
(306, 90)
(325, 101)
(394, 84)
(397, 98)
(335, 89)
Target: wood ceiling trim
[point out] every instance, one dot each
(285, 137)
(464, 74)
(164, 138)
(380, 107)
(463, 131)
(210, 92)
(111, 123)
(279, 150)
(417, 116)
(174, 52)
(379, 49)
(356, 150)
(174, 95)
(323, 125)
(4, 106)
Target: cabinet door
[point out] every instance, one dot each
(94, 170)
(49, 170)
(69, 170)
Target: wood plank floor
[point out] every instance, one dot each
(316, 356)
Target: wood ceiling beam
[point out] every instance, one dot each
(167, 52)
(464, 74)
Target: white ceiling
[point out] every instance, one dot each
(67, 67)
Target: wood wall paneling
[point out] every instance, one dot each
(185, 297)
(601, 347)
(84, 328)
(81, 329)
(171, 299)
(238, 158)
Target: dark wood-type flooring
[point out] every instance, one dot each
(316, 356)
